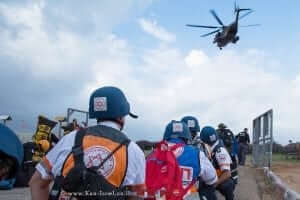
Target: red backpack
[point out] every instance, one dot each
(163, 173)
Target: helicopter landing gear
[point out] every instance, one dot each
(235, 39)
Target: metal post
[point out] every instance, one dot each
(271, 135)
(264, 144)
(253, 143)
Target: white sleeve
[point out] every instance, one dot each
(136, 166)
(208, 173)
(224, 159)
(52, 163)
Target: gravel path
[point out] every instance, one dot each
(247, 188)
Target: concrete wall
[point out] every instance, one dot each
(280, 190)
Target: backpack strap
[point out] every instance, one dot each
(218, 146)
(112, 153)
(78, 151)
(213, 155)
(77, 148)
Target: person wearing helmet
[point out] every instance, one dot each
(232, 146)
(244, 141)
(194, 127)
(11, 157)
(94, 161)
(191, 159)
(226, 136)
(221, 161)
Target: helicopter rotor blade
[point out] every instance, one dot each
(250, 25)
(244, 15)
(207, 34)
(200, 26)
(216, 17)
(244, 9)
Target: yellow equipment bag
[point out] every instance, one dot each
(43, 132)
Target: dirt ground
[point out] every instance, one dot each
(289, 173)
(247, 188)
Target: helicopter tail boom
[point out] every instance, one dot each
(237, 10)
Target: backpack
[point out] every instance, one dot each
(163, 173)
(86, 183)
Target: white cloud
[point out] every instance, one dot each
(223, 88)
(157, 31)
(196, 58)
(162, 83)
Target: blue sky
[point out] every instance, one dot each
(53, 54)
(278, 34)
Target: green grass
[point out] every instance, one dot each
(277, 158)
(281, 158)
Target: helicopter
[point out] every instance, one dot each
(226, 34)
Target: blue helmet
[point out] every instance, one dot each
(109, 103)
(177, 129)
(192, 123)
(208, 135)
(11, 146)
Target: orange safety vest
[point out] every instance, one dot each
(97, 143)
